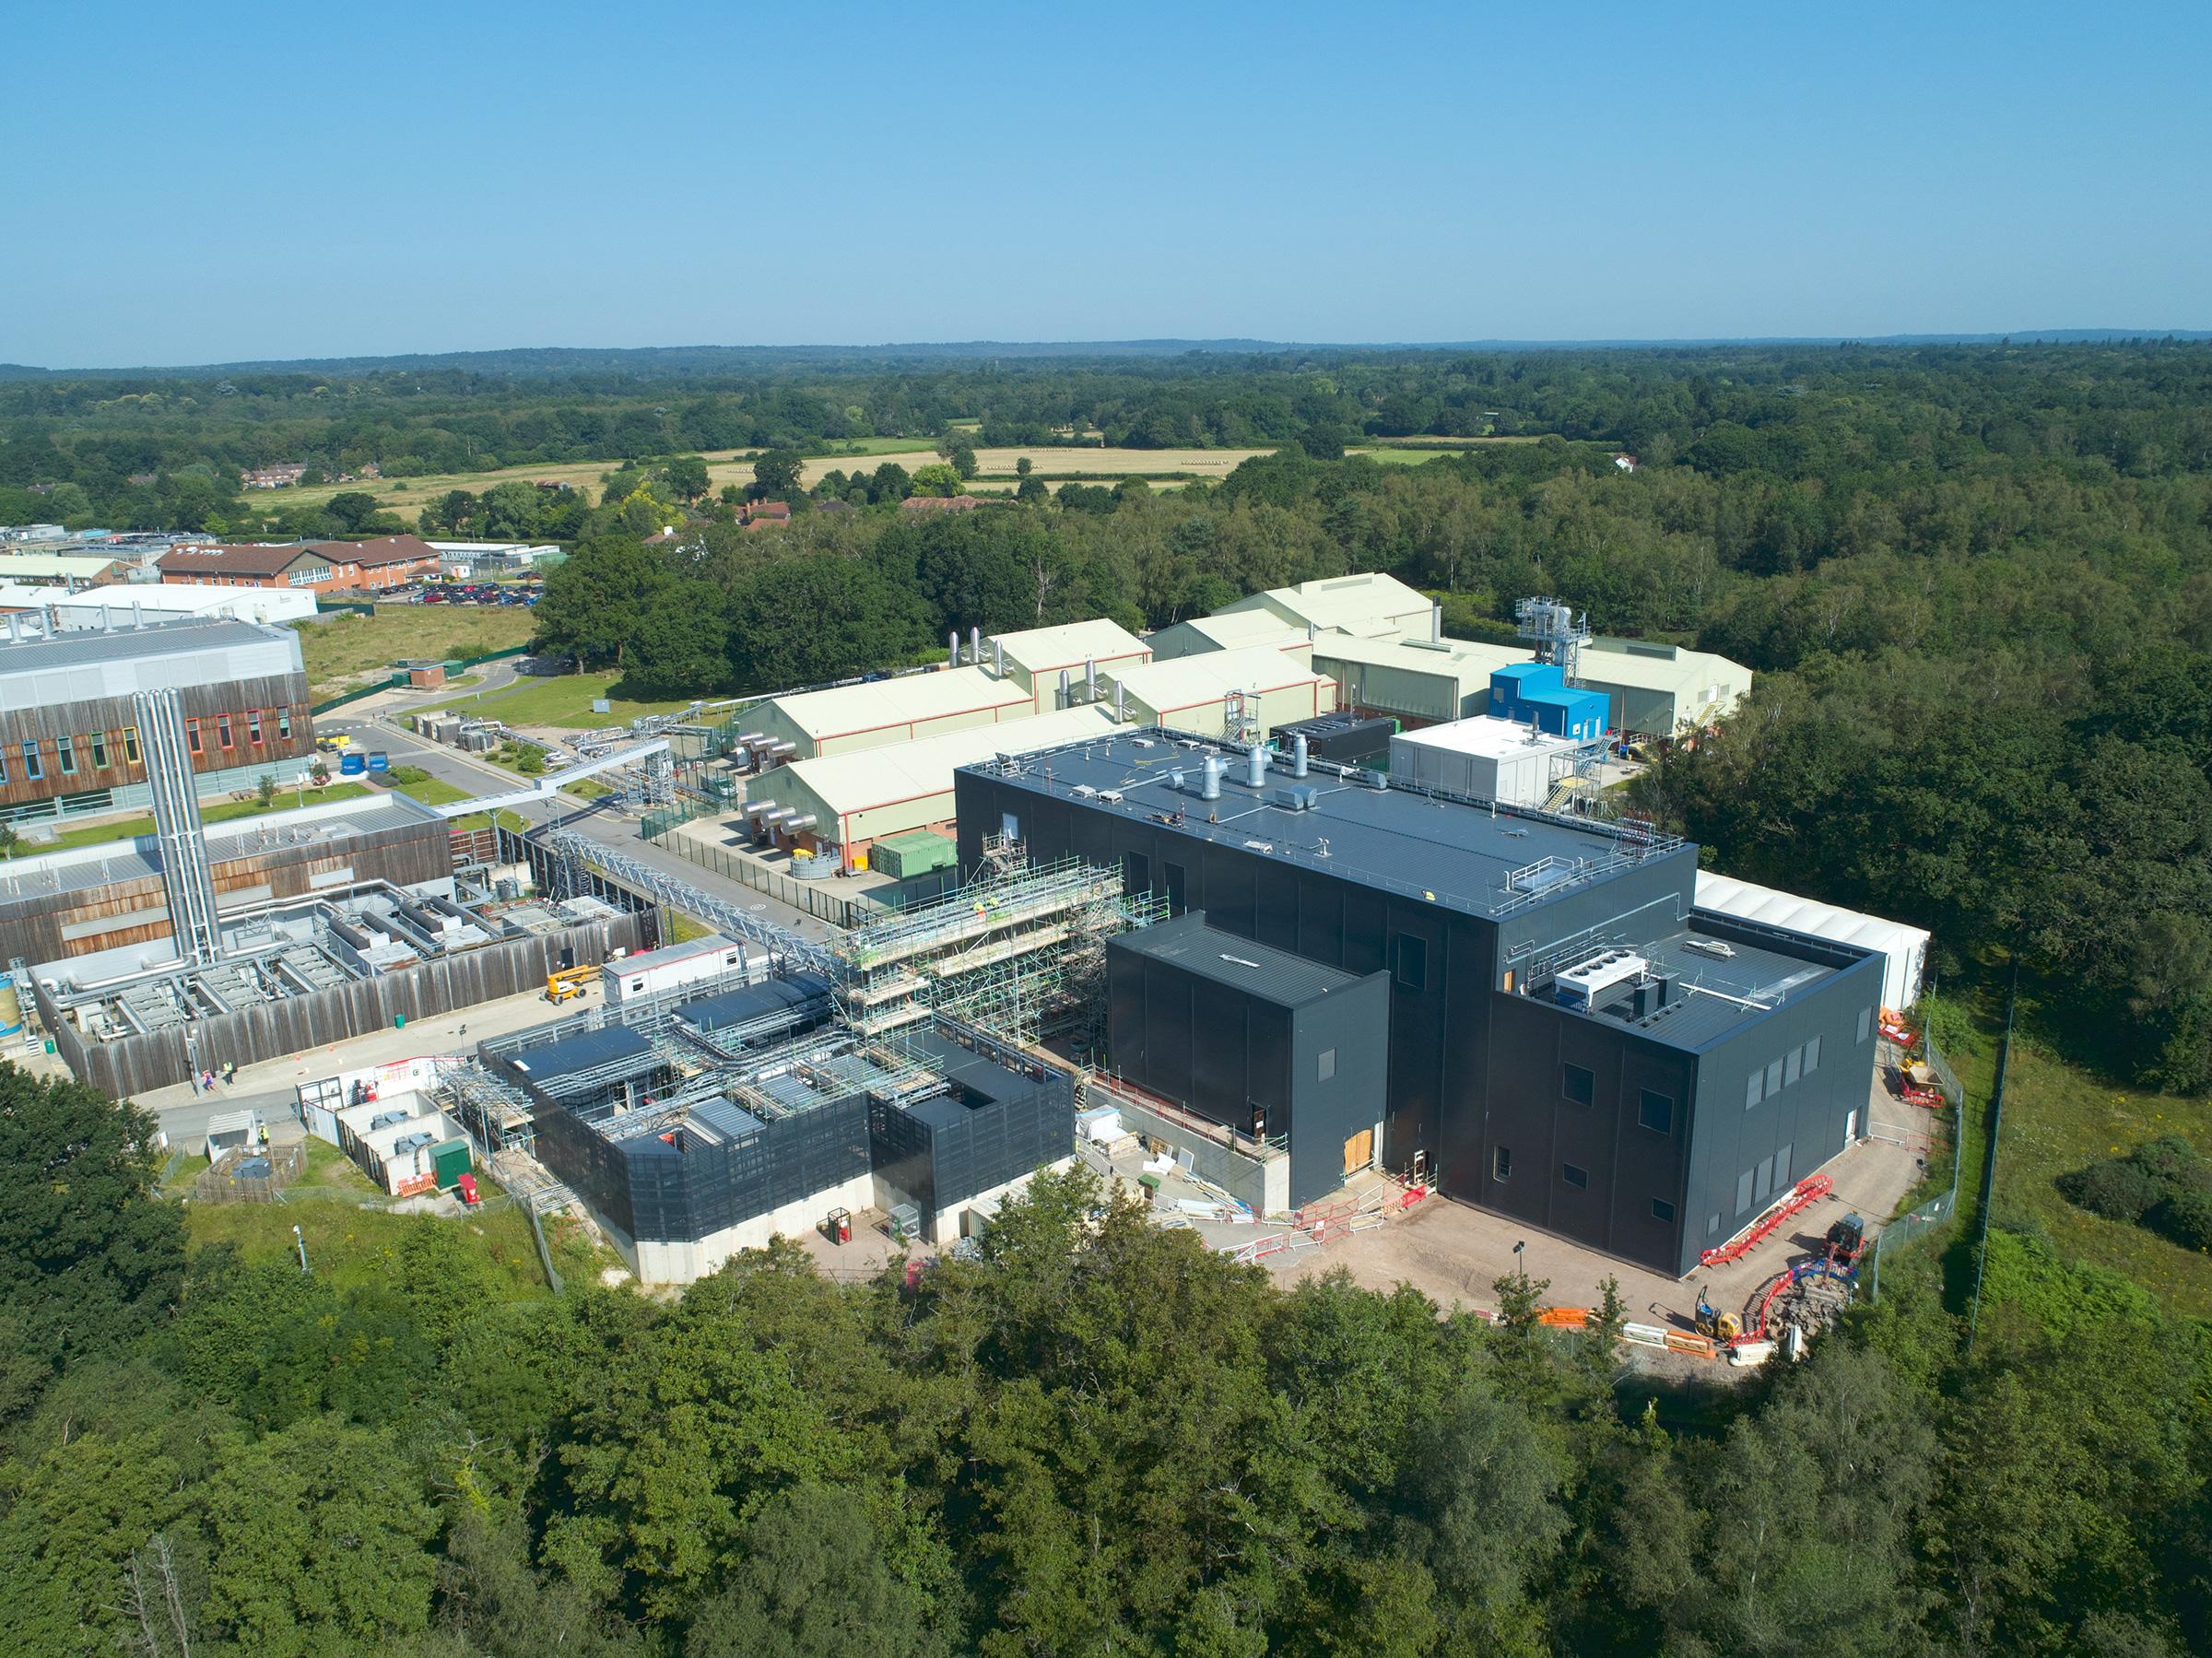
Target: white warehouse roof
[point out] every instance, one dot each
(166, 601)
(1904, 947)
(1375, 605)
(870, 778)
(1193, 681)
(1704, 686)
(1234, 630)
(1068, 645)
(908, 700)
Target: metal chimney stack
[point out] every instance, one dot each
(137, 614)
(952, 647)
(975, 646)
(1210, 788)
(1256, 765)
(1436, 623)
(186, 878)
(1090, 680)
(1067, 699)
(1120, 712)
(1298, 754)
(998, 657)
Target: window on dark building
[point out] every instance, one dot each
(1656, 1111)
(253, 726)
(1663, 1211)
(33, 767)
(1773, 1077)
(284, 724)
(1812, 1056)
(1409, 958)
(1793, 1065)
(1579, 1083)
(3, 767)
(1328, 1064)
(66, 748)
(1502, 1162)
(1577, 1178)
(1136, 872)
(100, 751)
(1713, 1223)
(222, 730)
(1754, 1090)
(1865, 1022)
(130, 743)
(1743, 1192)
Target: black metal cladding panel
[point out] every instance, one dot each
(1530, 1117)
(1793, 1131)
(588, 1163)
(1351, 1029)
(1002, 1140)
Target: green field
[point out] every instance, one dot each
(123, 828)
(563, 702)
(2060, 1117)
(346, 650)
(1399, 457)
(349, 1245)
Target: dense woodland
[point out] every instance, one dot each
(1100, 1438)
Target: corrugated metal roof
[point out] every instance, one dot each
(1234, 630)
(1368, 602)
(1192, 681)
(903, 772)
(1686, 676)
(1194, 945)
(584, 1053)
(755, 1001)
(713, 944)
(1469, 660)
(909, 700)
(1904, 947)
(83, 648)
(1042, 649)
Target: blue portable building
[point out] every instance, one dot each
(1536, 693)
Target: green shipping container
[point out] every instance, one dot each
(449, 1162)
(915, 852)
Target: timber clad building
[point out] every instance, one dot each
(69, 737)
(1571, 1041)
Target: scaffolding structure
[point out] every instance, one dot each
(1018, 953)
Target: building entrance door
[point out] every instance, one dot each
(1851, 1129)
(1359, 1151)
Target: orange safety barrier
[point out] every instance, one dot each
(1802, 1196)
(1697, 1347)
(1565, 1318)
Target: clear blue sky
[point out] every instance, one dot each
(193, 184)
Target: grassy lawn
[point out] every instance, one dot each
(430, 791)
(348, 1245)
(514, 820)
(2059, 1117)
(123, 828)
(564, 701)
(346, 650)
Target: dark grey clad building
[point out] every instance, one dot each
(1568, 1041)
(1255, 1039)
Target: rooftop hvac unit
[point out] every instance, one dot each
(1586, 984)
(1296, 799)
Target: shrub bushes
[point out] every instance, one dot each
(2162, 1184)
